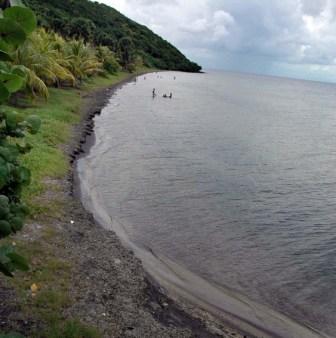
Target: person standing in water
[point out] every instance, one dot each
(153, 92)
(170, 95)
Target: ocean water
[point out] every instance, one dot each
(234, 178)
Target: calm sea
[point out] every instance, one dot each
(234, 178)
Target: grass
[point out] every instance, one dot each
(48, 163)
(47, 159)
(51, 275)
(73, 329)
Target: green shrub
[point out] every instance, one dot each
(107, 58)
(17, 23)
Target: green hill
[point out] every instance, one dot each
(104, 25)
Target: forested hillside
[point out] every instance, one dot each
(103, 25)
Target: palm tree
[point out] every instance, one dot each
(81, 59)
(43, 62)
(107, 58)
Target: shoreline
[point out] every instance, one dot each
(90, 274)
(170, 313)
(86, 279)
(258, 322)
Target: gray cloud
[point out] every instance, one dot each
(260, 34)
(313, 8)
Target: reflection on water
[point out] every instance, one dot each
(234, 178)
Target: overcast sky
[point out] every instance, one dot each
(294, 38)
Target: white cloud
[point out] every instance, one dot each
(220, 33)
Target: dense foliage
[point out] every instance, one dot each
(15, 25)
(94, 39)
(49, 60)
(105, 26)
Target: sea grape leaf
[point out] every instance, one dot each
(4, 56)
(4, 46)
(4, 93)
(4, 201)
(11, 32)
(5, 250)
(19, 70)
(3, 175)
(6, 154)
(12, 82)
(16, 223)
(22, 175)
(4, 67)
(22, 16)
(4, 212)
(14, 151)
(19, 209)
(5, 228)
(10, 260)
(4, 207)
(18, 262)
(11, 119)
(24, 148)
(34, 123)
(5, 261)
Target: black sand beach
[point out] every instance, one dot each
(179, 283)
(110, 288)
(142, 304)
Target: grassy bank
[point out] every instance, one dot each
(43, 294)
(47, 160)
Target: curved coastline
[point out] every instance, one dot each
(229, 307)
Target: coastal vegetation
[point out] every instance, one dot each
(46, 71)
(30, 62)
(34, 65)
(51, 61)
(17, 23)
(103, 25)
(49, 270)
(43, 291)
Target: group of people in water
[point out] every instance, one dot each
(170, 96)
